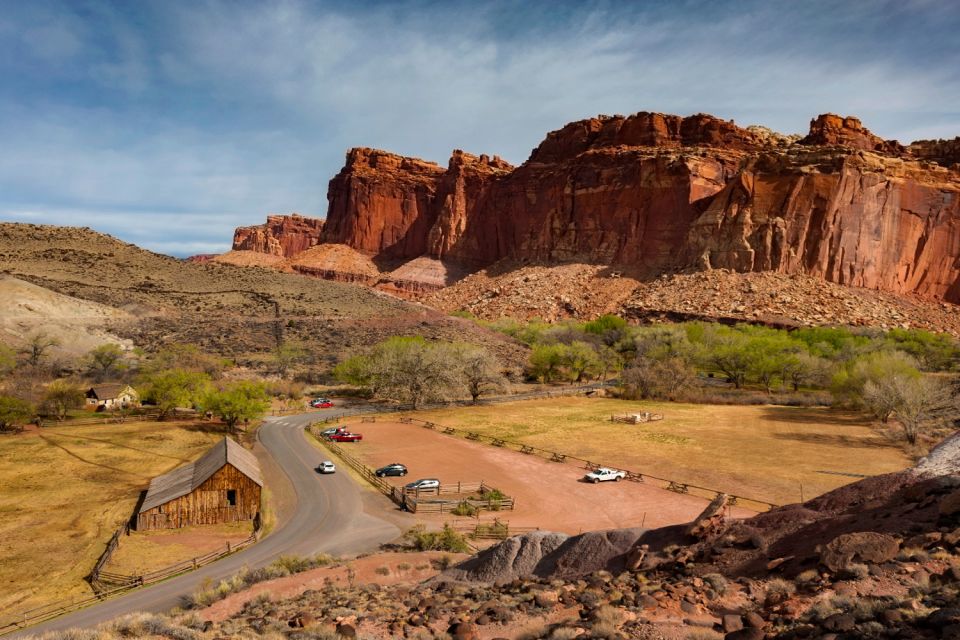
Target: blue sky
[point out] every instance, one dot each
(168, 123)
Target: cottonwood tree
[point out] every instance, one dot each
(244, 400)
(647, 378)
(481, 371)
(60, 397)
(849, 382)
(14, 412)
(546, 361)
(105, 361)
(174, 388)
(406, 369)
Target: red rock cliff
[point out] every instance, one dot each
(281, 235)
(655, 192)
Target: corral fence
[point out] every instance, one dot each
(496, 529)
(119, 417)
(479, 496)
(589, 465)
(106, 584)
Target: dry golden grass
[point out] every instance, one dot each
(144, 551)
(762, 452)
(64, 491)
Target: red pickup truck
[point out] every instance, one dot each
(345, 436)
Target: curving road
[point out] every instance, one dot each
(329, 517)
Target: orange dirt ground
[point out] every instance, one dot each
(549, 495)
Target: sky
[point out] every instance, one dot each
(168, 123)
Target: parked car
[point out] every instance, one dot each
(603, 474)
(392, 469)
(326, 433)
(346, 436)
(423, 484)
(326, 467)
(321, 403)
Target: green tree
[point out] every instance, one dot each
(355, 370)
(105, 361)
(174, 388)
(14, 412)
(238, 401)
(934, 351)
(729, 352)
(849, 382)
(580, 360)
(546, 361)
(60, 397)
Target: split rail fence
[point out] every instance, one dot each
(107, 584)
(589, 465)
(425, 500)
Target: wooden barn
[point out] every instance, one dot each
(223, 485)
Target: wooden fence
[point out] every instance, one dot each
(423, 500)
(107, 584)
(554, 456)
(100, 579)
(494, 530)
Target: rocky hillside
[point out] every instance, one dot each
(156, 299)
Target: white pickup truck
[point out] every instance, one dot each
(602, 474)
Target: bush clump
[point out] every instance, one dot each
(447, 539)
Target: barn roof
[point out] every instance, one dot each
(188, 477)
(107, 391)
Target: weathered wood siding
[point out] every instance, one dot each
(207, 504)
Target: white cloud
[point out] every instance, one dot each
(221, 112)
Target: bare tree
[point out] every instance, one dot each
(657, 379)
(38, 346)
(919, 403)
(482, 372)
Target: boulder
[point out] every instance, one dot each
(865, 546)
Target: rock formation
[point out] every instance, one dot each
(653, 193)
(284, 236)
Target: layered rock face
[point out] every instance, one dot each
(284, 236)
(653, 193)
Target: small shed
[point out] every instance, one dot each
(114, 395)
(223, 485)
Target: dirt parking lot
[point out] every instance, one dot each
(548, 495)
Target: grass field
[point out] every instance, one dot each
(762, 452)
(64, 491)
(146, 551)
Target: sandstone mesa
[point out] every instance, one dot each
(652, 194)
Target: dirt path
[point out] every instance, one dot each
(548, 495)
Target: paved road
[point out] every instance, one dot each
(328, 517)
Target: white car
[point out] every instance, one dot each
(603, 473)
(326, 467)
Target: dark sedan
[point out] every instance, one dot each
(394, 469)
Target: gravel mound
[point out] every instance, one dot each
(943, 460)
(544, 554)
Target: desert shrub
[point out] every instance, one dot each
(821, 610)
(146, 624)
(382, 571)
(464, 509)
(857, 571)
(842, 602)
(564, 633)
(703, 634)
(279, 568)
(867, 608)
(807, 577)
(403, 566)
(778, 590)
(442, 563)
(447, 539)
(913, 554)
(717, 582)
